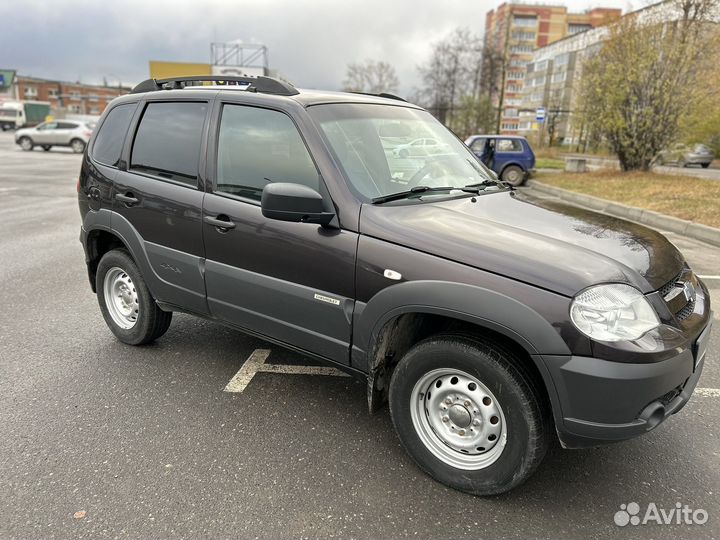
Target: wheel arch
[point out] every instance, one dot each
(401, 315)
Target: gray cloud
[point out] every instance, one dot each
(309, 42)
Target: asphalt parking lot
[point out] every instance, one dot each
(146, 442)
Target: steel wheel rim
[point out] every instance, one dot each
(513, 176)
(459, 421)
(121, 298)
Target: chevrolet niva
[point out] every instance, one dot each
(488, 319)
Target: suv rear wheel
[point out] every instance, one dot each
(125, 301)
(77, 145)
(513, 175)
(468, 415)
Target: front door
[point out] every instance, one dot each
(160, 198)
(293, 282)
(44, 133)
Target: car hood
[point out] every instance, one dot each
(549, 244)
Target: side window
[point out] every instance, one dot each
(167, 142)
(66, 125)
(258, 146)
(478, 145)
(509, 145)
(48, 126)
(109, 140)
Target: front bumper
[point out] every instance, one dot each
(600, 401)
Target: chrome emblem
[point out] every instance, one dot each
(689, 291)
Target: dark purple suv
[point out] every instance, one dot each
(491, 321)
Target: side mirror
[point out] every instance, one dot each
(294, 202)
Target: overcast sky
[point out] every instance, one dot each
(310, 41)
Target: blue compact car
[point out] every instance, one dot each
(509, 156)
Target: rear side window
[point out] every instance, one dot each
(259, 146)
(167, 143)
(67, 125)
(509, 145)
(108, 143)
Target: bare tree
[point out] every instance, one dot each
(452, 74)
(374, 77)
(647, 77)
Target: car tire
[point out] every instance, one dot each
(46, 147)
(77, 146)
(513, 175)
(26, 143)
(705, 165)
(472, 373)
(127, 306)
(681, 163)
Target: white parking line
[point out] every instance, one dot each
(245, 374)
(256, 363)
(708, 392)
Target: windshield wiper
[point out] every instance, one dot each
(409, 193)
(471, 188)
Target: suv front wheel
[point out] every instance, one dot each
(125, 301)
(468, 414)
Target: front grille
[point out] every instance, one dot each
(685, 312)
(670, 285)
(681, 310)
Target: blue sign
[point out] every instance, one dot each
(2, 80)
(540, 114)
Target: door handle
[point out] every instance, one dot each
(128, 198)
(222, 222)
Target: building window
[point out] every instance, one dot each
(74, 109)
(524, 48)
(524, 21)
(513, 88)
(75, 94)
(52, 92)
(517, 62)
(523, 36)
(561, 59)
(31, 92)
(539, 81)
(516, 75)
(511, 113)
(559, 77)
(514, 102)
(508, 126)
(541, 65)
(576, 28)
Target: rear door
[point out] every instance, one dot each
(64, 132)
(293, 282)
(507, 151)
(159, 193)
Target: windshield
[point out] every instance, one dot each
(386, 149)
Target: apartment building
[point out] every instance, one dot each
(515, 31)
(552, 75)
(68, 97)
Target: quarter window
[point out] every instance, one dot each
(109, 140)
(509, 145)
(259, 146)
(168, 140)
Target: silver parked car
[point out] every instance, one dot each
(683, 155)
(72, 133)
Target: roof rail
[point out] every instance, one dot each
(264, 85)
(382, 95)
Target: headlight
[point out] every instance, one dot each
(613, 312)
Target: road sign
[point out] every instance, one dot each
(540, 114)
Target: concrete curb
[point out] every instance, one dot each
(652, 219)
